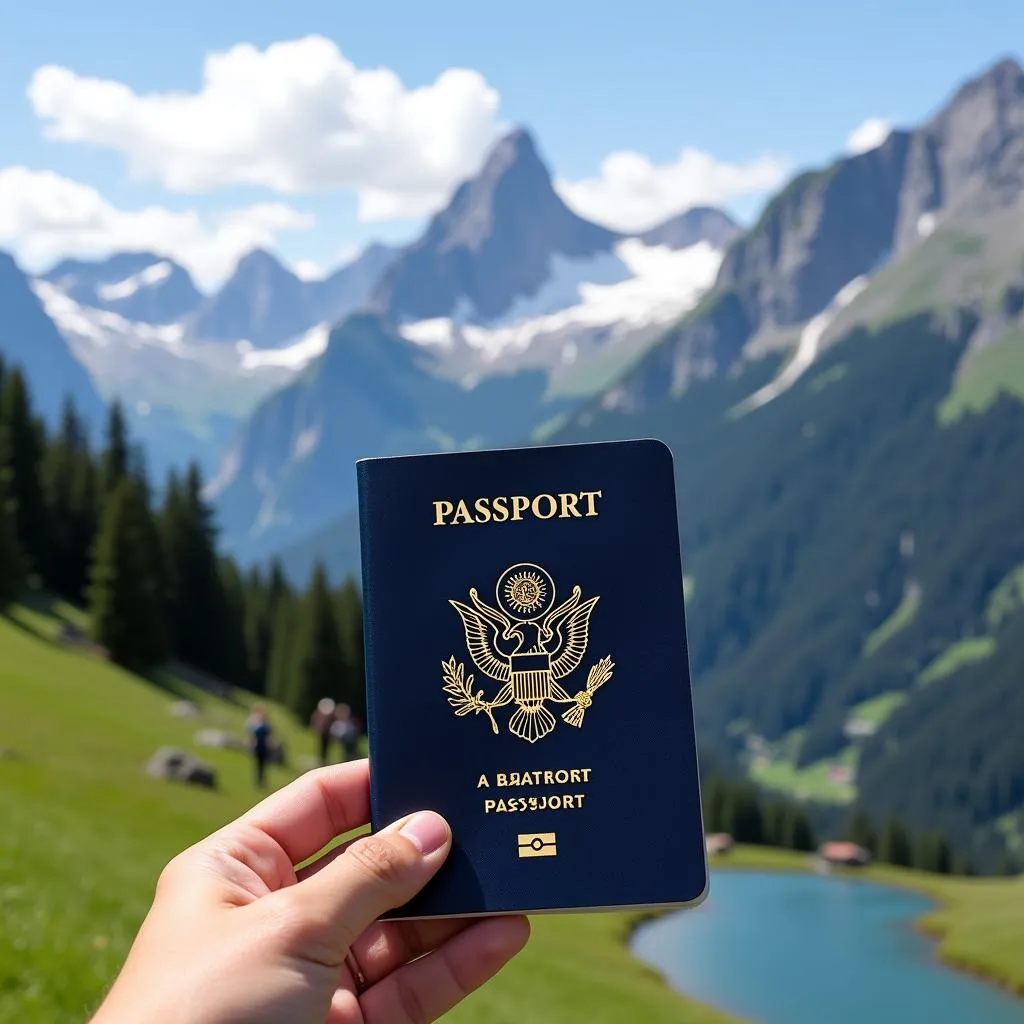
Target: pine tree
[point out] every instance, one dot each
(1008, 866)
(714, 800)
(350, 630)
(124, 599)
(256, 630)
(963, 865)
(862, 832)
(10, 557)
(743, 816)
(235, 654)
(282, 644)
(933, 854)
(196, 596)
(69, 511)
(20, 472)
(115, 463)
(799, 831)
(894, 845)
(318, 661)
(776, 823)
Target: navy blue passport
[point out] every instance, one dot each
(527, 675)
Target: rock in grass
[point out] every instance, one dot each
(177, 765)
(219, 738)
(185, 709)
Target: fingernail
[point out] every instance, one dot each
(426, 830)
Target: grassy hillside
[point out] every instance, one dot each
(86, 832)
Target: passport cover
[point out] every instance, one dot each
(527, 675)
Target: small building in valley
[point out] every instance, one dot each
(718, 843)
(845, 854)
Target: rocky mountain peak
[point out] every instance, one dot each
(492, 243)
(262, 302)
(969, 158)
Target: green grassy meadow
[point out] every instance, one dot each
(86, 833)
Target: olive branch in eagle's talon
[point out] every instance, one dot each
(459, 688)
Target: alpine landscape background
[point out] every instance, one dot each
(841, 382)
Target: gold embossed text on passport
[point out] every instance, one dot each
(517, 507)
(537, 801)
(527, 643)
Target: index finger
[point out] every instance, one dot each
(319, 806)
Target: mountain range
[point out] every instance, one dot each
(842, 384)
(507, 313)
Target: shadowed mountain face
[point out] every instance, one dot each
(29, 340)
(261, 302)
(291, 472)
(491, 244)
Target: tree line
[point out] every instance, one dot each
(744, 811)
(84, 524)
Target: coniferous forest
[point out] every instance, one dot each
(82, 521)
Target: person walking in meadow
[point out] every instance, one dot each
(346, 731)
(235, 933)
(260, 733)
(322, 723)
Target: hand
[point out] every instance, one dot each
(236, 936)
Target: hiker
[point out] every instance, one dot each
(260, 733)
(322, 723)
(345, 730)
(235, 935)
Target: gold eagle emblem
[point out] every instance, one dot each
(527, 643)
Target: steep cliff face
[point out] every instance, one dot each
(830, 226)
(969, 158)
(825, 229)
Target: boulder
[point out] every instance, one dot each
(177, 765)
(219, 738)
(185, 709)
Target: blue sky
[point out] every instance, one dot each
(740, 82)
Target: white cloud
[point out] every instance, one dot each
(632, 194)
(44, 215)
(869, 134)
(308, 270)
(295, 117)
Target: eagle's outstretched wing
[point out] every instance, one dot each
(573, 632)
(480, 638)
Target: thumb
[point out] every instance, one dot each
(374, 874)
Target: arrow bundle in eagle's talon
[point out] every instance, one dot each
(599, 675)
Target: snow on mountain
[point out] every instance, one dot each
(140, 286)
(614, 300)
(158, 365)
(294, 356)
(130, 285)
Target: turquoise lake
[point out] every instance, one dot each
(806, 949)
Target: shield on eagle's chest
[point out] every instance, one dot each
(531, 677)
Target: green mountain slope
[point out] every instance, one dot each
(843, 538)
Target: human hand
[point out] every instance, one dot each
(236, 935)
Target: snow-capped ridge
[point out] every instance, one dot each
(130, 285)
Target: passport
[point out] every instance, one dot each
(528, 677)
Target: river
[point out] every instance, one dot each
(805, 949)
